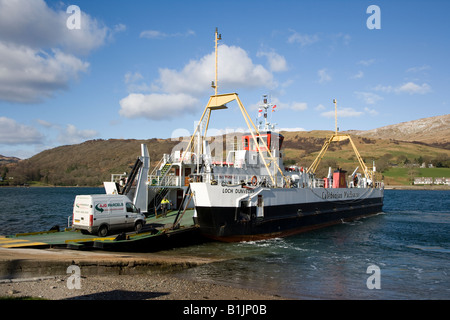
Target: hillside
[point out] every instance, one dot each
(86, 164)
(92, 162)
(432, 131)
(303, 147)
(5, 160)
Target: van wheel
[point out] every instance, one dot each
(138, 226)
(102, 231)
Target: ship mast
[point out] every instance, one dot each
(218, 102)
(215, 84)
(339, 137)
(265, 106)
(335, 116)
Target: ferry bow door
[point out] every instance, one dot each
(246, 211)
(260, 206)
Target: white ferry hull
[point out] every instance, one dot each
(242, 214)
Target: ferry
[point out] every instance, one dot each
(251, 195)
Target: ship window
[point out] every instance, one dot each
(246, 143)
(261, 141)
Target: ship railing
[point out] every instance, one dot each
(238, 179)
(379, 184)
(160, 164)
(318, 183)
(166, 181)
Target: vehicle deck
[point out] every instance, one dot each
(158, 233)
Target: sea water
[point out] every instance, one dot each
(408, 243)
(37, 209)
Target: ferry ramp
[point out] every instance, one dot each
(158, 233)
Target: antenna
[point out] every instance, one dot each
(214, 83)
(335, 115)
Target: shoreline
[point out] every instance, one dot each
(109, 276)
(387, 187)
(417, 187)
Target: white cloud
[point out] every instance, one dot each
(72, 135)
(418, 69)
(236, 70)
(409, 87)
(135, 82)
(368, 97)
(156, 34)
(120, 27)
(342, 36)
(157, 106)
(181, 89)
(298, 106)
(413, 88)
(38, 53)
(133, 77)
(277, 63)
(366, 62)
(303, 39)
(372, 112)
(385, 89)
(44, 123)
(320, 107)
(358, 75)
(44, 73)
(12, 132)
(323, 76)
(342, 112)
(33, 24)
(152, 34)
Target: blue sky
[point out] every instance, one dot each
(143, 69)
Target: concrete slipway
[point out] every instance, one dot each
(51, 253)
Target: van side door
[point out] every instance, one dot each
(132, 211)
(101, 213)
(117, 214)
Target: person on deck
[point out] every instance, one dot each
(164, 206)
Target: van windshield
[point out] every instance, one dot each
(131, 208)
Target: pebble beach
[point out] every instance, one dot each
(108, 276)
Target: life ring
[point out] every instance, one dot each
(254, 181)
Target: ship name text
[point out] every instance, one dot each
(339, 195)
(236, 190)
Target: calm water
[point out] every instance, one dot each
(37, 209)
(409, 242)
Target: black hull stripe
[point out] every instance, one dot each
(230, 224)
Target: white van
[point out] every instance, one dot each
(104, 213)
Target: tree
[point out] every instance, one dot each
(441, 161)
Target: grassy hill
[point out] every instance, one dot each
(404, 176)
(303, 147)
(432, 131)
(86, 164)
(92, 162)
